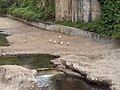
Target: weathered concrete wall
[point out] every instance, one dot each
(68, 30)
(63, 9)
(77, 10)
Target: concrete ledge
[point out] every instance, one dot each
(67, 30)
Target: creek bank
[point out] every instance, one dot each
(99, 72)
(14, 77)
(79, 66)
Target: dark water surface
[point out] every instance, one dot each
(28, 61)
(64, 82)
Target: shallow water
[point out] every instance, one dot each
(3, 41)
(28, 61)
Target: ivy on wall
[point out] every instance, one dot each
(3, 5)
(111, 17)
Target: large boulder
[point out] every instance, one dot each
(98, 69)
(14, 77)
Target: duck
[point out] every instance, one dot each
(50, 40)
(54, 42)
(61, 42)
(25, 40)
(59, 37)
(68, 43)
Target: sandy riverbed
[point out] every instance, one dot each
(99, 61)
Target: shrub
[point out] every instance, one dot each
(33, 10)
(111, 17)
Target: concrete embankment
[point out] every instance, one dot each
(67, 30)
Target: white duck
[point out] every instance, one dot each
(59, 37)
(54, 42)
(68, 43)
(61, 42)
(50, 40)
(25, 40)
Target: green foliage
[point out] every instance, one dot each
(33, 10)
(4, 4)
(23, 13)
(111, 17)
(93, 26)
(66, 23)
(29, 9)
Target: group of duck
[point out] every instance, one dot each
(61, 42)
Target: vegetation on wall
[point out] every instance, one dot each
(29, 9)
(44, 10)
(4, 4)
(93, 26)
(109, 24)
(33, 9)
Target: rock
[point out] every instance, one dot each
(95, 70)
(13, 77)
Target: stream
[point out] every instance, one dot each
(48, 79)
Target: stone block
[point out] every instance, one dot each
(74, 31)
(86, 6)
(64, 29)
(53, 27)
(95, 15)
(42, 25)
(95, 7)
(86, 16)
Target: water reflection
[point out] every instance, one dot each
(3, 41)
(28, 61)
(63, 82)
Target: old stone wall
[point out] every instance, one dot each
(63, 9)
(77, 10)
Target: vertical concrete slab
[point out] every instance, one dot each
(77, 10)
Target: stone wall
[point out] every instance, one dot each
(63, 9)
(77, 10)
(68, 30)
